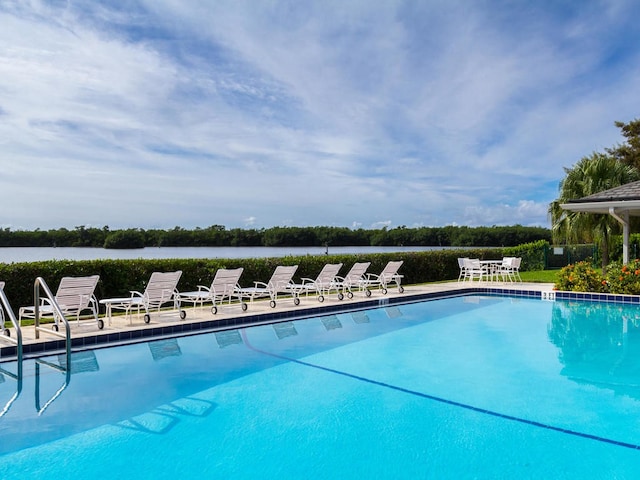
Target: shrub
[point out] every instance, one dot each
(624, 278)
(532, 254)
(581, 277)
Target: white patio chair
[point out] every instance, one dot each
(223, 287)
(388, 276)
(503, 270)
(355, 280)
(279, 283)
(475, 270)
(463, 268)
(323, 284)
(512, 269)
(160, 291)
(74, 296)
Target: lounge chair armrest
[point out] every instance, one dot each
(261, 284)
(135, 293)
(203, 288)
(44, 301)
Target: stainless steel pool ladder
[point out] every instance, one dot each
(64, 369)
(57, 314)
(6, 311)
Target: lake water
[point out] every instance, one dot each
(36, 254)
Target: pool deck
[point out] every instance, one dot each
(124, 330)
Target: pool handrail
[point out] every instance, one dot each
(58, 314)
(9, 312)
(18, 342)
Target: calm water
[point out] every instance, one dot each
(468, 387)
(35, 254)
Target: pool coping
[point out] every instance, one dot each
(102, 339)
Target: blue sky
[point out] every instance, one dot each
(249, 113)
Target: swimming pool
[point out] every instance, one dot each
(465, 387)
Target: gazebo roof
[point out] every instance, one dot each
(625, 198)
(620, 202)
(630, 191)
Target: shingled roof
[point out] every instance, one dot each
(629, 191)
(620, 202)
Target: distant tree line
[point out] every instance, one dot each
(219, 236)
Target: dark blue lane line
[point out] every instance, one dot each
(451, 402)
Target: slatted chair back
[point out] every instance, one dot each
(281, 278)
(225, 281)
(391, 270)
(328, 274)
(161, 288)
(356, 273)
(75, 294)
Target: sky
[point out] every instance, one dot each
(261, 113)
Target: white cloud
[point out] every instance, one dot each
(306, 113)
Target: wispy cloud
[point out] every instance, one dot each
(242, 113)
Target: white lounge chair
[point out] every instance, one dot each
(74, 296)
(279, 283)
(161, 290)
(223, 287)
(388, 275)
(324, 283)
(355, 280)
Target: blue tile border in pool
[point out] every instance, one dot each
(246, 319)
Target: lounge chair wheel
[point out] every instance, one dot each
(384, 291)
(401, 289)
(147, 318)
(272, 303)
(367, 293)
(340, 296)
(6, 332)
(296, 301)
(54, 327)
(321, 298)
(183, 314)
(245, 306)
(100, 324)
(214, 309)
(350, 295)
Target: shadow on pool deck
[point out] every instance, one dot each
(132, 329)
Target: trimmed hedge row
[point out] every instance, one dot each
(118, 277)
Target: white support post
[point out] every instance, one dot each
(623, 219)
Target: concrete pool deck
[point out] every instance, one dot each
(124, 330)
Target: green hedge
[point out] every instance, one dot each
(118, 277)
(533, 254)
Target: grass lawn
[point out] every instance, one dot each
(540, 276)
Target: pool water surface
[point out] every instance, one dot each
(464, 387)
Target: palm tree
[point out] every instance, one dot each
(590, 175)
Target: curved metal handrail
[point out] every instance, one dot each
(18, 342)
(67, 378)
(16, 325)
(57, 313)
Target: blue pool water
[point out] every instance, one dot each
(467, 387)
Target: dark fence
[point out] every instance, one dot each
(559, 256)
